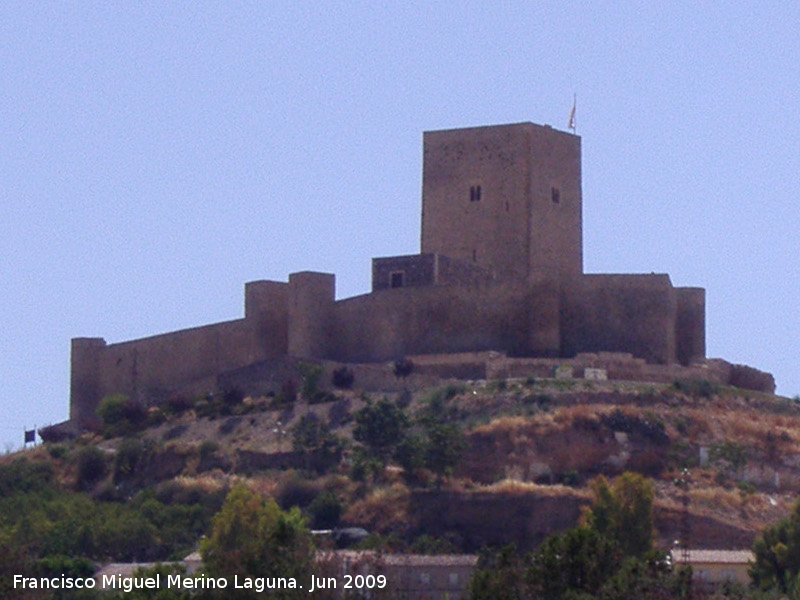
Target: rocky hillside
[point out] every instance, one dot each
(530, 447)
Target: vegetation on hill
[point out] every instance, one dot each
(563, 467)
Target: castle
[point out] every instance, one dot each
(500, 269)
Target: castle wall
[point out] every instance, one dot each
(311, 299)
(85, 391)
(149, 369)
(619, 313)
(266, 308)
(453, 271)
(690, 327)
(389, 324)
(414, 270)
(418, 270)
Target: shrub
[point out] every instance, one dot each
(428, 544)
(570, 478)
(232, 396)
(57, 451)
(178, 403)
(295, 490)
(155, 416)
(498, 385)
(310, 433)
(652, 430)
(91, 466)
(364, 465)
(540, 401)
(746, 488)
(452, 390)
(403, 368)
(311, 374)
(129, 454)
(287, 395)
(343, 378)
(120, 415)
(326, 510)
(731, 452)
(24, 476)
(696, 387)
(207, 449)
(682, 455)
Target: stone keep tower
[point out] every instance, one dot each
(506, 198)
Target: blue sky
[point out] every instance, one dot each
(155, 156)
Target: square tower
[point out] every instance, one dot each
(505, 197)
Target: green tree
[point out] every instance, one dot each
(650, 577)
(381, 427)
(499, 576)
(623, 512)
(310, 434)
(313, 437)
(443, 448)
(251, 536)
(577, 562)
(777, 555)
(443, 438)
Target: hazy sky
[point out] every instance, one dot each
(155, 156)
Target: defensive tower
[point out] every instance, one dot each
(506, 198)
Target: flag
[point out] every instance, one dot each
(571, 123)
(30, 436)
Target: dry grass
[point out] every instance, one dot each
(210, 482)
(514, 487)
(717, 499)
(541, 424)
(383, 508)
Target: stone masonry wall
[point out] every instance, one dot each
(389, 324)
(619, 313)
(507, 198)
(149, 369)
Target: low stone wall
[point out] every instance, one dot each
(617, 366)
(431, 369)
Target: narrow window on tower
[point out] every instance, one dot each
(474, 255)
(475, 193)
(396, 279)
(555, 195)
